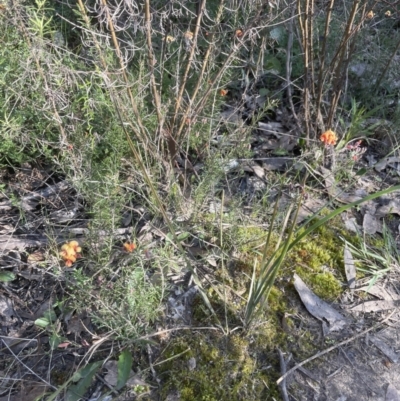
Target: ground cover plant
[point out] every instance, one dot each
(168, 170)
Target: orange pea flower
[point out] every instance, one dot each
(223, 92)
(70, 252)
(129, 246)
(370, 14)
(239, 33)
(329, 138)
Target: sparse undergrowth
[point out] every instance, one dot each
(159, 119)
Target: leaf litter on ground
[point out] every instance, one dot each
(320, 309)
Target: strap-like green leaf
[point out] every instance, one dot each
(124, 368)
(84, 378)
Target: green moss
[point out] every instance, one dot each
(250, 238)
(225, 369)
(276, 301)
(318, 260)
(232, 367)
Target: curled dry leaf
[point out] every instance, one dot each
(384, 348)
(319, 308)
(239, 33)
(188, 35)
(35, 257)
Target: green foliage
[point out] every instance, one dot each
(375, 258)
(262, 283)
(83, 379)
(6, 276)
(124, 368)
(86, 104)
(358, 126)
(133, 304)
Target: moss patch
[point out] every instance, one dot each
(226, 369)
(318, 260)
(244, 367)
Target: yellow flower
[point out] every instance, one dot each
(329, 138)
(69, 252)
(388, 13)
(370, 14)
(188, 35)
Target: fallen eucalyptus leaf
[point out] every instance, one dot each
(386, 349)
(371, 224)
(392, 394)
(319, 308)
(350, 268)
(381, 165)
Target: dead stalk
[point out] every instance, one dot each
(142, 129)
(192, 40)
(338, 73)
(322, 73)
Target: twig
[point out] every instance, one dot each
(378, 82)
(149, 353)
(282, 386)
(290, 371)
(21, 242)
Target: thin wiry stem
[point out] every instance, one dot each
(192, 41)
(151, 63)
(322, 73)
(121, 62)
(378, 82)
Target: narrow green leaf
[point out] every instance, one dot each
(50, 315)
(270, 266)
(339, 210)
(42, 322)
(83, 372)
(54, 341)
(124, 368)
(84, 377)
(6, 276)
(183, 236)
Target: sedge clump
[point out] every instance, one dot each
(70, 252)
